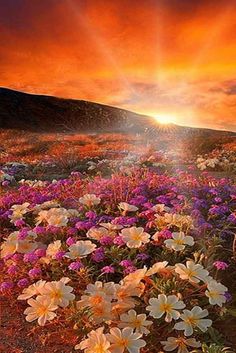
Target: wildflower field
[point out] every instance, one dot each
(126, 252)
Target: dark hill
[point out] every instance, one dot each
(19, 110)
(25, 111)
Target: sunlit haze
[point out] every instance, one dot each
(172, 59)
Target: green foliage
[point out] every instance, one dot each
(214, 348)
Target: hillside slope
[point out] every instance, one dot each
(20, 110)
(39, 113)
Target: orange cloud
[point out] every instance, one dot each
(173, 57)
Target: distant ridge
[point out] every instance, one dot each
(19, 110)
(25, 111)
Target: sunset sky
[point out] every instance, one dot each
(173, 59)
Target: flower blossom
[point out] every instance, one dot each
(181, 343)
(191, 272)
(126, 339)
(137, 322)
(216, 293)
(179, 241)
(96, 342)
(41, 309)
(90, 200)
(134, 237)
(168, 305)
(192, 319)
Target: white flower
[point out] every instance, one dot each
(33, 289)
(9, 246)
(125, 340)
(215, 292)
(192, 272)
(19, 211)
(72, 212)
(12, 244)
(137, 322)
(54, 217)
(81, 248)
(178, 220)
(178, 241)
(134, 237)
(181, 343)
(111, 227)
(127, 207)
(90, 200)
(98, 292)
(53, 248)
(193, 318)
(95, 343)
(158, 267)
(160, 207)
(101, 312)
(40, 308)
(58, 293)
(125, 293)
(97, 233)
(165, 305)
(138, 275)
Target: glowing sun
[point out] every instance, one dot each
(164, 119)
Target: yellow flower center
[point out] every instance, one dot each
(137, 323)
(42, 310)
(213, 294)
(124, 342)
(99, 348)
(191, 320)
(165, 307)
(181, 342)
(191, 273)
(179, 241)
(57, 294)
(97, 299)
(136, 236)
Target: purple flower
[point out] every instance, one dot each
(59, 255)
(91, 215)
(75, 266)
(35, 272)
(23, 233)
(106, 240)
(22, 283)
(13, 270)
(72, 231)
(232, 218)
(118, 240)
(126, 263)
(70, 241)
(220, 265)
(40, 252)
(39, 230)
(165, 234)
(5, 183)
(53, 229)
(129, 270)
(17, 257)
(84, 225)
(19, 223)
(98, 255)
(108, 269)
(142, 257)
(6, 286)
(30, 257)
(228, 296)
